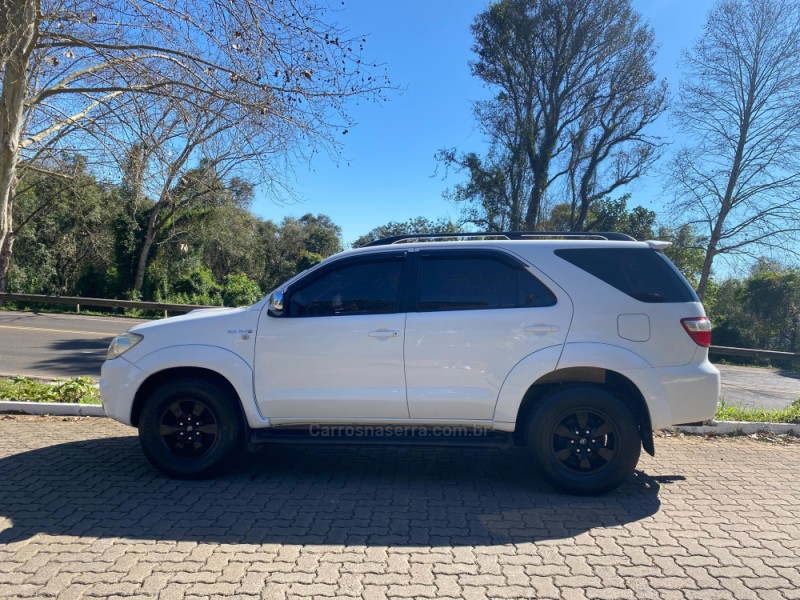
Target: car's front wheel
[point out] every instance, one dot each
(189, 428)
(584, 440)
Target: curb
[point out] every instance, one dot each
(52, 408)
(739, 428)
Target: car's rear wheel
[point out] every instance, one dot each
(584, 440)
(189, 428)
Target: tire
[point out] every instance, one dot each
(573, 461)
(190, 427)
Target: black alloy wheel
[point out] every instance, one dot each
(583, 439)
(190, 427)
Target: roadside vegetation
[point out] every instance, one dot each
(78, 390)
(790, 414)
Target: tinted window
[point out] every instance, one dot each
(354, 289)
(474, 282)
(641, 273)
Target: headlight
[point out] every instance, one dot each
(122, 343)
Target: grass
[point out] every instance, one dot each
(78, 390)
(790, 414)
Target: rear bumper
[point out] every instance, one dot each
(692, 392)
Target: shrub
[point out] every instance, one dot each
(240, 290)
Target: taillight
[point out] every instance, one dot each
(699, 329)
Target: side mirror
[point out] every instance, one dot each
(276, 304)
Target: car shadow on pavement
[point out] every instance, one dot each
(75, 357)
(306, 495)
(788, 373)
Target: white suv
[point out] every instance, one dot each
(577, 347)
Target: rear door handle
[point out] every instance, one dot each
(542, 328)
(383, 334)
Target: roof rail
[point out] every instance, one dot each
(504, 235)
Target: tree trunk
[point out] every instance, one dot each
(728, 200)
(6, 252)
(583, 195)
(539, 162)
(540, 165)
(705, 273)
(147, 245)
(17, 39)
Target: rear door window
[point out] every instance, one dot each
(477, 281)
(641, 273)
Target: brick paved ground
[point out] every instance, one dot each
(82, 514)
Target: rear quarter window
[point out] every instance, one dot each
(641, 273)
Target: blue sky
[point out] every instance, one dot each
(386, 168)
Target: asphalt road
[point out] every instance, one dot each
(59, 345)
(56, 345)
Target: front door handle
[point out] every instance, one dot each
(383, 334)
(542, 328)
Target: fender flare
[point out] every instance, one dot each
(524, 374)
(225, 363)
(585, 354)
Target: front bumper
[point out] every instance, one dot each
(119, 380)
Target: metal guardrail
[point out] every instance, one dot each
(79, 301)
(752, 353)
(167, 307)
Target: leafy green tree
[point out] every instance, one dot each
(613, 215)
(64, 231)
(239, 290)
(194, 286)
(728, 315)
(415, 225)
(295, 245)
(761, 311)
(191, 197)
(492, 198)
(773, 301)
(608, 214)
(229, 239)
(687, 253)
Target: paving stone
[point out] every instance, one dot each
(83, 515)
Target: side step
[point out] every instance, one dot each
(384, 435)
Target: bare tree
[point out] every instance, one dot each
(609, 147)
(738, 178)
(169, 138)
(71, 67)
(576, 90)
(499, 183)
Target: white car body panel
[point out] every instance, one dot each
(441, 367)
(605, 313)
(120, 379)
(331, 367)
(213, 358)
(625, 362)
(456, 362)
(219, 340)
